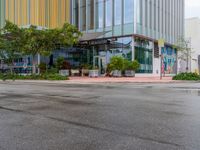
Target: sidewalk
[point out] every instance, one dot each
(121, 80)
(87, 80)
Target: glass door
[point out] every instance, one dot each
(100, 63)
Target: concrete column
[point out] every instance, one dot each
(133, 48)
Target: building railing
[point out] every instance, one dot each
(19, 70)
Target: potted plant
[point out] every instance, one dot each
(131, 67)
(85, 70)
(116, 64)
(94, 72)
(63, 66)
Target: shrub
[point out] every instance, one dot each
(86, 66)
(131, 65)
(42, 67)
(117, 63)
(127, 65)
(45, 76)
(187, 76)
(59, 62)
(52, 71)
(135, 65)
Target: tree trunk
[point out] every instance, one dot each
(11, 67)
(33, 66)
(38, 63)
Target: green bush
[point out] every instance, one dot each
(42, 67)
(135, 65)
(86, 66)
(131, 65)
(45, 76)
(187, 76)
(52, 71)
(116, 63)
(59, 62)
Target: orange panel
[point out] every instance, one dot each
(49, 13)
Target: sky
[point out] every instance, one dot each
(192, 8)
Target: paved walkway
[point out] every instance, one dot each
(121, 80)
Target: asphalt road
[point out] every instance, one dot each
(107, 116)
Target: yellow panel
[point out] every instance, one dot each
(49, 13)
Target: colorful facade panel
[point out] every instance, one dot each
(169, 60)
(48, 13)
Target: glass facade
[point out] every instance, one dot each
(120, 20)
(91, 14)
(145, 57)
(117, 12)
(108, 12)
(99, 14)
(83, 15)
(121, 47)
(76, 13)
(116, 17)
(128, 11)
(150, 18)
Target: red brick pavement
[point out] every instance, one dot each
(121, 79)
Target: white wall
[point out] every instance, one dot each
(192, 31)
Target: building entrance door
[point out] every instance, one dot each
(100, 63)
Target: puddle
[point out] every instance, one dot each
(193, 92)
(189, 90)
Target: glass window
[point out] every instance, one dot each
(128, 11)
(145, 58)
(118, 12)
(83, 15)
(146, 13)
(99, 13)
(108, 13)
(91, 14)
(76, 13)
(122, 47)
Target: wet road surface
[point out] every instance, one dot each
(99, 116)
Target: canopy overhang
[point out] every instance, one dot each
(92, 36)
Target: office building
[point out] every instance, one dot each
(129, 28)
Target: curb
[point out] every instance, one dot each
(93, 82)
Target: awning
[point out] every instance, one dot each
(92, 36)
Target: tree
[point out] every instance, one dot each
(66, 36)
(183, 47)
(16, 42)
(44, 41)
(11, 43)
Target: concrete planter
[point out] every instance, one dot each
(129, 73)
(75, 72)
(64, 73)
(85, 72)
(93, 73)
(117, 73)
